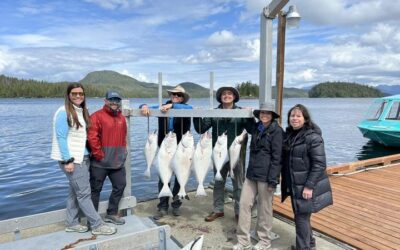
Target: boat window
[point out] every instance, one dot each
(394, 113)
(376, 110)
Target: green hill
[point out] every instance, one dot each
(343, 89)
(130, 87)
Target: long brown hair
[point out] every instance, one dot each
(308, 123)
(72, 117)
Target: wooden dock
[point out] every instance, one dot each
(366, 210)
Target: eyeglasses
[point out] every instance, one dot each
(177, 94)
(75, 94)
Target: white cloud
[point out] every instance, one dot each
(221, 38)
(116, 4)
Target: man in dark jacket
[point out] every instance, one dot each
(180, 125)
(227, 97)
(107, 141)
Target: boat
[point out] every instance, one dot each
(382, 122)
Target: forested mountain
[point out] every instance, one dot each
(251, 90)
(343, 89)
(389, 89)
(98, 82)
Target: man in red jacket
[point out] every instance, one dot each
(107, 141)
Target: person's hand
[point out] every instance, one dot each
(307, 193)
(69, 168)
(271, 188)
(145, 110)
(166, 107)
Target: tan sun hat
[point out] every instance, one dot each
(181, 90)
(232, 89)
(267, 106)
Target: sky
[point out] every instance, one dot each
(64, 40)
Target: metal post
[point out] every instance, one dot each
(211, 90)
(280, 63)
(159, 89)
(127, 165)
(265, 58)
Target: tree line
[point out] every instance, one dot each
(343, 89)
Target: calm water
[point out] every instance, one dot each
(33, 183)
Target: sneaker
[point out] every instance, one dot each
(176, 211)
(104, 229)
(258, 246)
(239, 246)
(77, 228)
(160, 213)
(115, 219)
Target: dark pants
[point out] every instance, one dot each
(304, 236)
(118, 182)
(164, 201)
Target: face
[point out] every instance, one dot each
(227, 97)
(296, 119)
(113, 103)
(265, 116)
(176, 97)
(77, 96)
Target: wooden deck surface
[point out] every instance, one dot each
(366, 210)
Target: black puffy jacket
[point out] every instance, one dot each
(265, 153)
(304, 165)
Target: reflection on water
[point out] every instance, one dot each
(372, 150)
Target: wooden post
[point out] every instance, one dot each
(280, 63)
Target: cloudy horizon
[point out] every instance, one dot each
(338, 40)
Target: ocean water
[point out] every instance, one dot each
(31, 182)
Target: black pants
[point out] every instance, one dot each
(164, 201)
(304, 236)
(118, 182)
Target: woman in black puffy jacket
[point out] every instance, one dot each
(304, 176)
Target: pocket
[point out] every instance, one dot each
(304, 206)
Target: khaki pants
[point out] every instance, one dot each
(264, 208)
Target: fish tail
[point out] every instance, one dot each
(200, 190)
(147, 173)
(165, 192)
(218, 176)
(182, 193)
(232, 174)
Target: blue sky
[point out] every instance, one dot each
(338, 40)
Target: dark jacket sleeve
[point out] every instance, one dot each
(201, 125)
(276, 154)
(316, 154)
(250, 125)
(94, 138)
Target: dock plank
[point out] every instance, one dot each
(366, 210)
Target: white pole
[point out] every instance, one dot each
(265, 94)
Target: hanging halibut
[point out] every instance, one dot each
(164, 158)
(234, 151)
(202, 161)
(182, 161)
(150, 150)
(220, 155)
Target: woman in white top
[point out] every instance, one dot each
(70, 124)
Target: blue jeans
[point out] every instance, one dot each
(79, 196)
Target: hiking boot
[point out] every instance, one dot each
(239, 246)
(212, 216)
(176, 211)
(258, 246)
(104, 229)
(160, 213)
(115, 219)
(77, 228)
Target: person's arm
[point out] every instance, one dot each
(62, 129)
(94, 135)
(250, 124)
(181, 106)
(317, 159)
(201, 125)
(276, 154)
(145, 109)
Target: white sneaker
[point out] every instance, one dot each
(260, 247)
(104, 229)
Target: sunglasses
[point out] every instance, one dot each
(114, 100)
(75, 94)
(177, 94)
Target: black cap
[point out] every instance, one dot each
(112, 94)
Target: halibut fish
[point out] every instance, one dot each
(220, 155)
(164, 158)
(196, 244)
(234, 151)
(182, 161)
(150, 150)
(202, 161)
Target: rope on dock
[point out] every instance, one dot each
(362, 170)
(72, 245)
